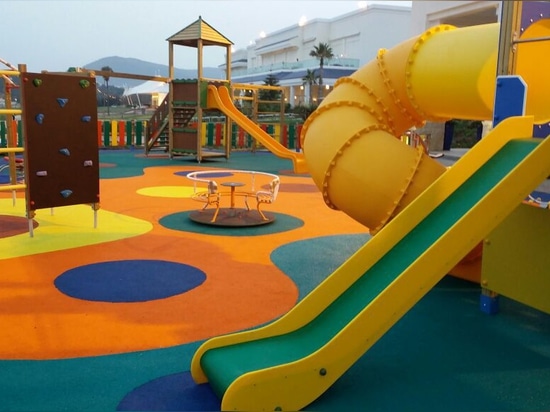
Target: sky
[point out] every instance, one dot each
(54, 35)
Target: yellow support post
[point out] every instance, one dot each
(11, 111)
(114, 133)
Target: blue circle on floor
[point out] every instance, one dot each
(177, 392)
(125, 281)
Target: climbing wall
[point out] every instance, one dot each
(61, 143)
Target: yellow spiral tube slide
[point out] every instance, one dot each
(350, 141)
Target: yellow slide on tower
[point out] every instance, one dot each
(220, 99)
(427, 219)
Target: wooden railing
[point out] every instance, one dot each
(159, 117)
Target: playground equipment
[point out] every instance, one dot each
(59, 170)
(267, 196)
(187, 97)
(219, 98)
(515, 265)
(251, 102)
(426, 219)
(19, 168)
(207, 188)
(11, 148)
(187, 102)
(177, 121)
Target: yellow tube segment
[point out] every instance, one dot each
(351, 147)
(532, 65)
(350, 141)
(452, 73)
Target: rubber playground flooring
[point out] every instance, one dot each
(108, 318)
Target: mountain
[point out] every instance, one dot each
(136, 66)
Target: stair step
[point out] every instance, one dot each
(185, 103)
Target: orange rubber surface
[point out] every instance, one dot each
(242, 288)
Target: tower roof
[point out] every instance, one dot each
(199, 30)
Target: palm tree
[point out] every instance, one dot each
(106, 80)
(310, 79)
(322, 51)
(270, 95)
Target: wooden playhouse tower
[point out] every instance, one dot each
(188, 97)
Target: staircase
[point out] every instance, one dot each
(184, 134)
(157, 128)
(158, 125)
(183, 113)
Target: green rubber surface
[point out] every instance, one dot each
(226, 364)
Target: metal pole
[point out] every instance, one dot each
(510, 21)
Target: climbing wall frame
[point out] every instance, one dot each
(61, 143)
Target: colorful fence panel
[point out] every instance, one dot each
(120, 133)
(17, 133)
(3, 134)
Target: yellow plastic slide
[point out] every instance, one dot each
(426, 219)
(289, 363)
(221, 100)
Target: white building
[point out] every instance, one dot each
(354, 38)
(426, 14)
